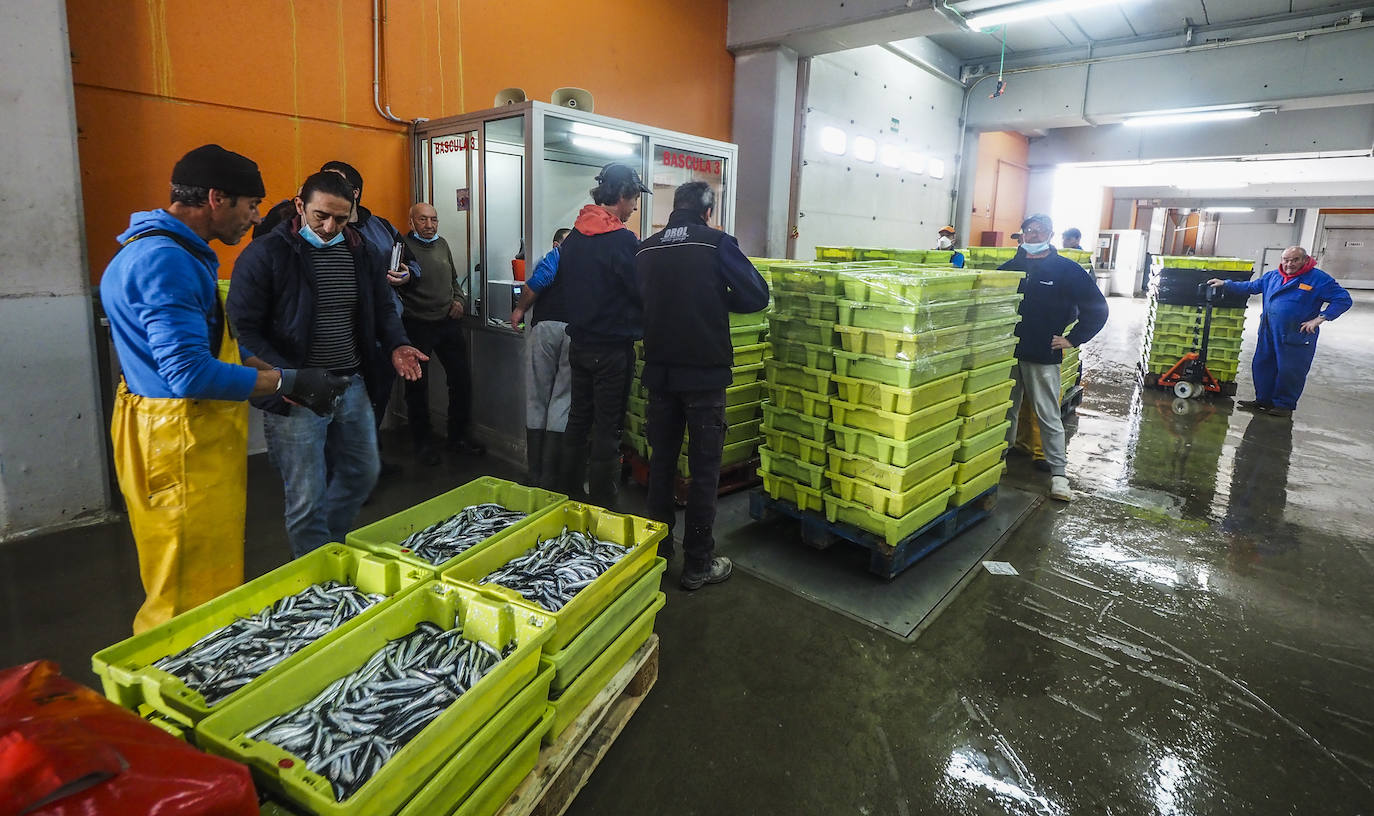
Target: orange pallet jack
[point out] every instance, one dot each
(1189, 377)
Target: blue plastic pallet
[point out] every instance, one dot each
(884, 561)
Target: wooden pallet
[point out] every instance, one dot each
(565, 766)
(885, 560)
(733, 478)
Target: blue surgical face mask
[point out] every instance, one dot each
(1036, 249)
(316, 241)
(417, 236)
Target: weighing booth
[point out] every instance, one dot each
(503, 180)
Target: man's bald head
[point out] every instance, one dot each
(424, 219)
(1294, 259)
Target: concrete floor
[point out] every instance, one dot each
(1195, 634)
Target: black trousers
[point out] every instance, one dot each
(601, 376)
(702, 415)
(441, 339)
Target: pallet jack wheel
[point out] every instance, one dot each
(1188, 390)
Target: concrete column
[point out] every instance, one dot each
(764, 128)
(963, 204)
(52, 435)
(1307, 229)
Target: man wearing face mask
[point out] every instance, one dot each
(309, 293)
(1054, 292)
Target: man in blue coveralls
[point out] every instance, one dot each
(1293, 298)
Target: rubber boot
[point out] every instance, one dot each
(603, 482)
(572, 470)
(534, 454)
(553, 459)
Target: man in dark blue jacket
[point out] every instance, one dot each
(691, 277)
(1055, 292)
(309, 293)
(596, 272)
(1298, 298)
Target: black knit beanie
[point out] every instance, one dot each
(212, 167)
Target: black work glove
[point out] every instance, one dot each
(313, 388)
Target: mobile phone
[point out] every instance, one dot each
(396, 250)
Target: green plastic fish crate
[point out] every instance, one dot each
(904, 288)
(736, 414)
(785, 489)
(812, 307)
(750, 355)
(638, 443)
(489, 796)
(971, 446)
(637, 406)
(812, 279)
(483, 618)
(974, 467)
(920, 317)
(800, 400)
(985, 354)
(889, 477)
(569, 662)
(744, 394)
(384, 536)
(899, 400)
(641, 535)
(751, 319)
(896, 452)
(834, 253)
(988, 375)
(813, 453)
(809, 355)
(977, 486)
(992, 331)
(1071, 356)
(595, 677)
(807, 427)
(475, 761)
(899, 373)
(736, 453)
(975, 424)
(801, 329)
(1223, 333)
(126, 671)
(995, 280)
(873, 254)
(988, 307)
(892, 530)
(749, 334)
(989, 397)
(635, 425)
(914, 256)
(895, 426)
(887, 502)
(814, 380)
(779, 464)
(745, 374)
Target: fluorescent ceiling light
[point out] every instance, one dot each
(1033, 8)
(604, 133)
(890, 156)
(1228, 209)
(914, 162)
(1209, 184)
(833, 140)
(937, 168)
(865, 149)
(1192, 118)
(602, 146)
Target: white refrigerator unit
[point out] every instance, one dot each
(1122, 252)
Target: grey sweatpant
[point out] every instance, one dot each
(548, 380)
(1039, 382)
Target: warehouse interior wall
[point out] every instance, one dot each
(999, 186)
(52, 453)
(155, 78)
(846, 201)
(1247, 235)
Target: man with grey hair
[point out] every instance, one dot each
(1055, 292)
(691, 277)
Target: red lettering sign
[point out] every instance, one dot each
(455, 145)
(694, 163)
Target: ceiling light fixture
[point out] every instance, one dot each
(1195, 117)
(604, 133)
(1228, 209)
(606, 146)
(982, 21)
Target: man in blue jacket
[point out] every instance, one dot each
(1298, 298)
(596, 272)
(180, 427)
(311, 293)
(691, 277)
(548, 380)
(1055, 292)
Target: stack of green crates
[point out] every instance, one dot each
(1172, 331)
(1069, 371)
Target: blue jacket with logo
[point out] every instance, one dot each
(1287, 305)
(1055, 292)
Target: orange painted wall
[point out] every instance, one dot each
(994, 147)
(290, 84)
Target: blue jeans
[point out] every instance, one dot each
(322, 501)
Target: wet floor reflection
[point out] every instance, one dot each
(1254, 513)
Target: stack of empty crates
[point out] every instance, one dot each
(895, 408)
(1177, 314)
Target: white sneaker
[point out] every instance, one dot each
(1059, 488)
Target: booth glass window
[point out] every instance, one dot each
(452, 183)
(504, 216)
(675, 166)
(574, 152)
